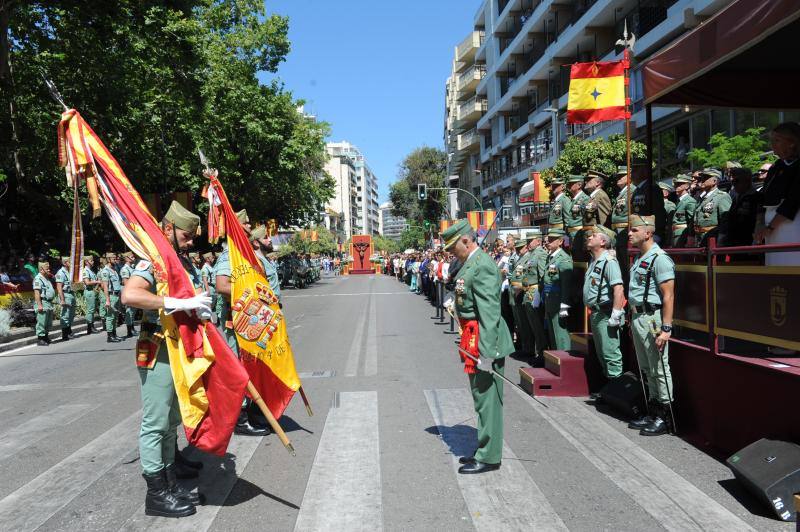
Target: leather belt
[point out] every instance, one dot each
(587, 227)
(680, 226)
(620, 225)
(639, 309)
(702, 230)
(556, 226)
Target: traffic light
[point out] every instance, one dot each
(422, 191)
(427, 225)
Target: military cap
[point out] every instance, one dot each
(622, 170)
(452, 233)
(597, 228)
(208, 255)
(258, 233)
(533, 232)
(557, 181)
(556, 232)
(575, 179)
(594, 173)
(128, 255)
(666, 186)
(710, 172)
(681, 178)
(515, 236)
(194, 255)
(639, 221)
(731, 164)
(111, 255)
(242, 217)
(521, 243)
(182, 218)
(64, 258)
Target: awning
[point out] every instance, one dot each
(526, 193)
(744, 56)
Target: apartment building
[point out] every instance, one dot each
(390, 226)
(356, 189)
(512, 72)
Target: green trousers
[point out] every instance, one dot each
(111, 312)
(535, 318)
(90, 296)
(524, 333)
(653, 362)
(161, 415)
(487, 394)
(606, 343)
(67, 310)
(44, 319)
(130, 316)
(557, 331)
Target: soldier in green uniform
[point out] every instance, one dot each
(598, 207)
(102, 311)
(712, 212)
(112, 286)
(43, 294)
(619, 214)
(485, 336)
(532, 280)
(651, 297)
(208, 277)
(524, 333)
(559, 209)
(557, 286)
(130, 312)
(683, 217)
(66, 298)
(669, 210)
(604, 295)
(90, 284)
(647, 198)
(575, 226)
(160, 410)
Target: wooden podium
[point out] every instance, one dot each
(361, 251)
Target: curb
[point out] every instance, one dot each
(25, 338)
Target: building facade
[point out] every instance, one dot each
(356, 199)
(506, 97)
(390, 226)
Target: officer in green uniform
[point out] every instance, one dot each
(651, 298)
(112, 286)
(263, 245)
(532, 280)
(130, 312)
(575, 217)
(683, 217)
(43, 294)
(619, 216)
(712, 212)
(669, 209)
(559, 209)
(208, 277)
(604, 296)
(160, 410)
(477, 290)
(90, 284)
(511, 242)
(557, 286)
(66, 298)
(524, 333)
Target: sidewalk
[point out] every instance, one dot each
(22, 336)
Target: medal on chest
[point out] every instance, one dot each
(619, 207)
(552, 270)
(460, 286)
(557, 209)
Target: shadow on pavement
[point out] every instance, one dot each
(460, 439)
(745, 498)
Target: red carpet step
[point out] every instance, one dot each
(563, 375)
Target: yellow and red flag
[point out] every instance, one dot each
(597, 92)
(474, 219)
(258, 322)
(488, 219)
(209, 381)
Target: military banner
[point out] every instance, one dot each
(260, 329)
(209, 382)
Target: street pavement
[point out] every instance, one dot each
(392, 414)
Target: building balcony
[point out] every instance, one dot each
(470, 111)
(465, 51)
(468, 80)
(469, 141)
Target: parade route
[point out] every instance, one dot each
(392, 414)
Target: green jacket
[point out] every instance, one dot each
(559, 211)
(478, 298)
(534, 273)
(683, 216)
(713, 209)
(576, 208)
(557, 282)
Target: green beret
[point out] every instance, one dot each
(639, 221)
(666, 186)
(557, 181)
(452, 233)
(242, 217)
(575, 179)
(521, 243)
(710, 172)
(597, 228)
(556, 232)
(594, 173)
(182, 218)
(258, 233)
(681, 178)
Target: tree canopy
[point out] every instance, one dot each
(603, 155)
(746, 149)
(423, 165)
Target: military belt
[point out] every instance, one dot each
(623, 225)
(679, 226)
(587, 227)
(639, 309)
(556, 226)
(702, 230)
(516, 284)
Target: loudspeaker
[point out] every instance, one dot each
(624, 394)
(770, 469)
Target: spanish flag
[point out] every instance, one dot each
(209, 381)
(596, 92)
(474, 219)
(258, 322)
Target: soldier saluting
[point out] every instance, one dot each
(683, 217)
(485, 336)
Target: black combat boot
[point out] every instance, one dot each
(195, 499)
(42, 342)
(64, 334)
(111, 338)
(645, 419)
(130, 332)
(660, 424)
(70, 333)
(160, 501)
(89, 328)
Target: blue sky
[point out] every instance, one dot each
(375, 70)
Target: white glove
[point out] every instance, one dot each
(617, 317)
(201, 302)
(564, 312)
(207, 315)
(449, 301)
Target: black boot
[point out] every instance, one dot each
(660, 424)
(130, 331)
(42, 342)
(64, 334)
(182, 460)
(195, 499)
(645, 419)
(70, 333)
(111, 338)
(160, 501)
(89, 328)
(47, 338)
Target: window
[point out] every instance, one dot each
(743, 120)
(767, 119)
(721, 122)
(700, 131)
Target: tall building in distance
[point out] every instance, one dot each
(506, 97)
(356, 199)
(390, 226)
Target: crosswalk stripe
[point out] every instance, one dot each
(672, 500)
(33, 386)
(506, 499)
(217, 479)
(371, 353)
(26, 434)
(344, 487)
(38, 500)
(354, 356)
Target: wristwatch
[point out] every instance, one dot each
(666, 328)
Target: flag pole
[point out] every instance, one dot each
(305, 402)
(628, 44)
(251, 389)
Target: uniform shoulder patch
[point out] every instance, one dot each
(143, 265)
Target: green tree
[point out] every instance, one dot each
(413, 237)
(746, 149)
(390, 245)
(423, 165)
(604, 155)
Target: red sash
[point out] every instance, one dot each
(469, 343)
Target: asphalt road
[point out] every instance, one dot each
(392, 413)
